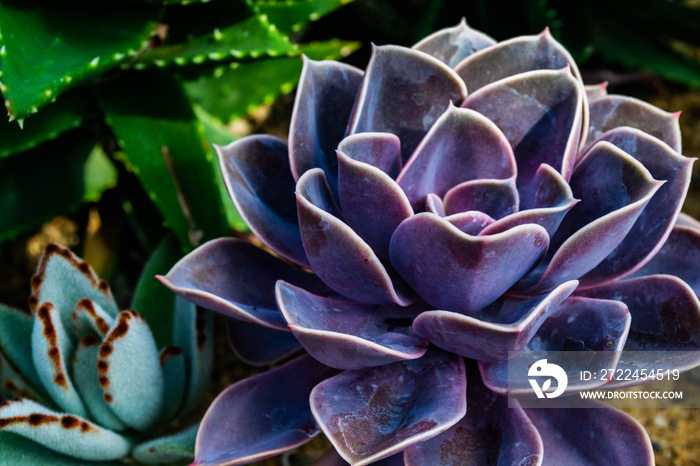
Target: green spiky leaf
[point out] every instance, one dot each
(48, 47)
(218, 134)
(240, 88)
(253, 36)
(292, 15)
(49, 180)
(69, 111)
(164, 145)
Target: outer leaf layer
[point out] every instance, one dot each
(614, 189)
(217, 276)
(257, 175)
(654, 224)
(600, 435)
(679, 257)
(245, 423)
(492, 433)
(260, 346)
(372, 413)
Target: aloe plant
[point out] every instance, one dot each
(134, 86)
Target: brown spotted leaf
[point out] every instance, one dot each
(67, 434)
(51, 350)
(63, 279)
(130, 373)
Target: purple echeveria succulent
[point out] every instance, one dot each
(84, 382)
(459, 199)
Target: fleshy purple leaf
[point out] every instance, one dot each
(600, 435)
(64, 433)
(461, 146)
(261, 416)
(496, 198)
(322, 107)
(236, 279)
(350, 335)
(332, 458)
(656, 221)
(405, 104)
(434, 204)
(515, 56)
(685, 220)
(381, 150)
(491, 433)
(579, 324)
(488, 335)
(596, 91)
(337, 254)
(373, 413)
(540, 113)
(616, 110)
(614, 189)
(545, 202)
(458, 272)
(679, 256)
(133, 391)
(471, 222)
(665, 317)
(260, 346)
(373, 204)
(452, 45)
(257, 175)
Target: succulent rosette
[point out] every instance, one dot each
(455, 201)
(85, 383)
